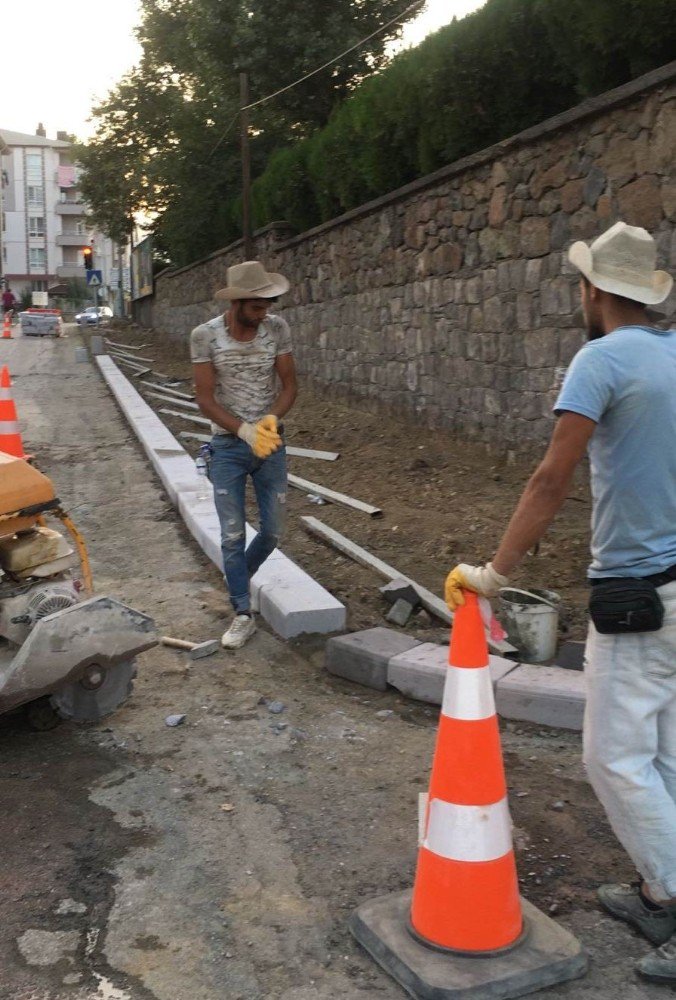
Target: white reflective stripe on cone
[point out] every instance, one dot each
(8, 427)
(5, 393)
(468, 694)
(469, 833)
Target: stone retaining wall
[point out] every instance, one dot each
(451, 300)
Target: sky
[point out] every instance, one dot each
(63, 57)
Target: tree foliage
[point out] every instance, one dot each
(159, 146)
(502, 69)
(166, 141)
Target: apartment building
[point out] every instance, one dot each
(44, 219)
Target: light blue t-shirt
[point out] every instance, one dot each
(626, 382)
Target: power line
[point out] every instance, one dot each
(378, 31)
(308, 76)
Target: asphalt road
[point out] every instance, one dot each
(220, 859)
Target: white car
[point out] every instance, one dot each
(89, 316)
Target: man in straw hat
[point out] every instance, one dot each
(245, 381)
(618, 401)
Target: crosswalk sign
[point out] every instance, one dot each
(94, 278)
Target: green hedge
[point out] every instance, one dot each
(502, 69)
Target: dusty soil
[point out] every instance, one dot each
(223, 858)
(444, 501)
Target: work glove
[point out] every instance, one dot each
(262, 437)
(483, 580)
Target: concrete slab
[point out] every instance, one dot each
(551, 696)
(294, 602)
(364, 657)
(548, 955)
(420, 673)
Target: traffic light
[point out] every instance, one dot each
(88, 258)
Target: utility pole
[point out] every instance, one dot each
(246, 167)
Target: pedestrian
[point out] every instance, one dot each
(618, 400)
(8, 301)
(245, 381)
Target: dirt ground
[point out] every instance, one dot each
(222, 859)
(443, 502)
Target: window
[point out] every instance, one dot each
(37, 259)
(33, 167)
(36, 194)
(39, 286)
(36, 225)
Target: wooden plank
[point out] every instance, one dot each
(126, 347)
(191, 436)
(127, 363)
(326, 456)
(429, 601)
(168, 389)
(131, 357)
(176, 402)
(334, 497)
(188, 416)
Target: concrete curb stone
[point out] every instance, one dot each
(364, 657)
(420, 672)
(550, 696)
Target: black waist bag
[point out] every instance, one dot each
(626, 605)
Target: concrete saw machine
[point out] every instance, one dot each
(64, 653)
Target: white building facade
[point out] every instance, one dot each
(44, 219)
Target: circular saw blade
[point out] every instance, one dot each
(82, 704)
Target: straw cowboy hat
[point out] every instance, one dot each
(250, 280)
(622, 261)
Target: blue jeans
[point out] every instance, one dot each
(232, 461)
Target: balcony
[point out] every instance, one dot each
(70, 271)
(70, 208)
(71, 240)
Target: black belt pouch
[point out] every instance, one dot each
(625, 605)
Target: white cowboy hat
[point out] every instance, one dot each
(250, 280)
(622, 261)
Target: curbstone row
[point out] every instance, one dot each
(380, 657)
(289, 600)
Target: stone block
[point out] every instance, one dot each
(548, 696)
(399, 613)
(570, 656)
(640, 202)
(363, 657)
(535, 237)
(397, 590)
(593, 188)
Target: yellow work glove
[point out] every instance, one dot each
(262, 437)
(483, 580)
(270, 423)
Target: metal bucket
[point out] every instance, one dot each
(531, 620)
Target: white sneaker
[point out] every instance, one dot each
(241, 630)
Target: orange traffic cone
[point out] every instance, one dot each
(461, 934)
(466, 894)
(6, 328)
(10, 438)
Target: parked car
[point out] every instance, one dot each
(88, 316)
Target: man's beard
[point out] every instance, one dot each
(249, 324)
(594, 332)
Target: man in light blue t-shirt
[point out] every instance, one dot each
(618, 402)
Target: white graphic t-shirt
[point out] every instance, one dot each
(246, 381)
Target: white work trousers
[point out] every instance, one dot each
(630, 742)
